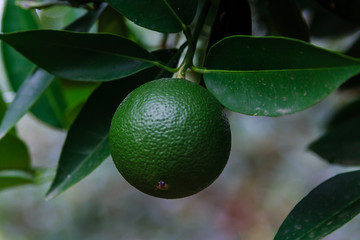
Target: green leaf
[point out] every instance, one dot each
(50, 108)
(15, 19)
(273, 76)
(348, 10)
(15, 166)
(286, 19)
(341, 143)
(76, 94)
(51, 104)
(14, 154)
(28, 93)
(13, 178)
(325, 209)
(86, 145)
(81, 56)
(166, 16)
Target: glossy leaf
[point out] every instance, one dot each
(18, 68)
(52, 105)
(286, 19)
(163, 15)
(16, 19)
(35, 85)
(341, 143)
(81, 56)
(86, 145)
(50, 108)
(273, 76)
(325, 209)
(348, 10)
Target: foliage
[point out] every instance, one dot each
(74, 79)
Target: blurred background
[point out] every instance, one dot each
(269, 171)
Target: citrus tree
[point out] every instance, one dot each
(170, 137)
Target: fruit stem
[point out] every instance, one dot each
(192, 41)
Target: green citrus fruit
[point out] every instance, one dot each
(170, 138)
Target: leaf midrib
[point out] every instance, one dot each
(281, 70)
(94, 50)
(174, 13)
(330, 217)
(107, 53)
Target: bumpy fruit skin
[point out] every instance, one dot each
(170, 138)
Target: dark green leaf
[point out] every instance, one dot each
(81, 56)
(163, 15)
(286, 19)
(18, 68)
(15, 19)
(273, 76)
(325, 209)
(348, 10)
(86, 145)
(341, 143)
(51, 104)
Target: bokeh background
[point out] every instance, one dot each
(269, 171)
